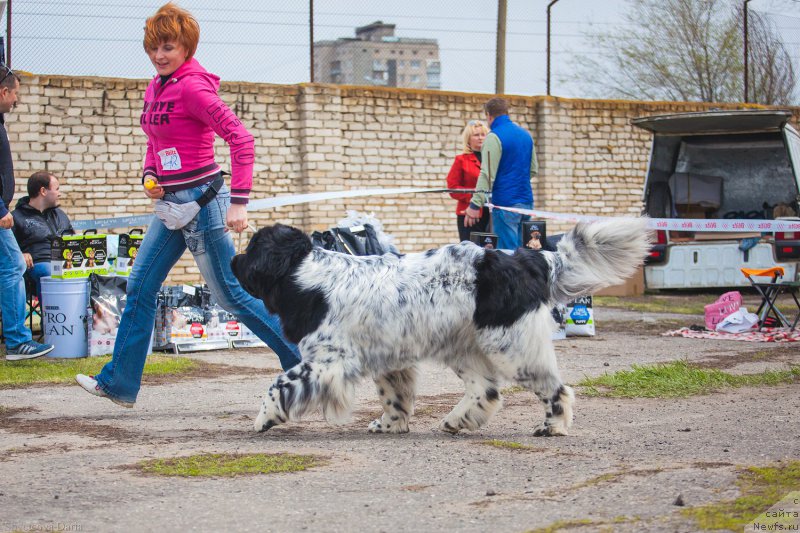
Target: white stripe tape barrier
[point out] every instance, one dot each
(267, 203)
(674, 224)
(671, 224)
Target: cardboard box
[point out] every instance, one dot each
(486, 240)
(633, 286)
(534, 234)
(66, 257)
(129, 244)
(95, 254)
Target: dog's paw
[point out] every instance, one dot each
(546, 430)
(378, 426)
(447, 427)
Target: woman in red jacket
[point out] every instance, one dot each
(464, 175)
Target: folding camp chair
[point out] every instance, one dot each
(770, 291)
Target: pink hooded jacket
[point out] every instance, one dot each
(180, 119)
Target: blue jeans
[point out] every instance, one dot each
(508, 227)
(37, 272)
(212, 247)
(12, 292)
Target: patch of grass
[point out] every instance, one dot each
(585, 522)
(509, 445)
(229, 465)
(652, 305)
(760, 488)
(678, 379)
(43, 370)
(514, 389)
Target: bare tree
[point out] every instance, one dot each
(771, 76)
(686, 50)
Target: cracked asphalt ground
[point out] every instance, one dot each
(66, 456)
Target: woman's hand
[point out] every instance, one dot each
(237, 217)
(156, 193)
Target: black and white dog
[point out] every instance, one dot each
(483, 313)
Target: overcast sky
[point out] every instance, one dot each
(267, 41)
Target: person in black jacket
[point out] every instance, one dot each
(37, 221)
(19, 341)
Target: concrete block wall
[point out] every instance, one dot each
(314, 138)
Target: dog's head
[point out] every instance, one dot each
(273, 253)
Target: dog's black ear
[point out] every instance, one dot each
(273, 253)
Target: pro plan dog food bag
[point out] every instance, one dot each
(580, 318)
(66, 257)
(129, 244)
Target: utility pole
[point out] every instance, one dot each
(8, 34)
(746, 59)
(500, 63)
(548, 44)
(311, 36)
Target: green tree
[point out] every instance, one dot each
(689, 50)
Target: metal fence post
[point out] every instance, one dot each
(548, 44)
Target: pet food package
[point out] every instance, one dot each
(66, 257)
(580, 318)
(129, 244)
(95, 254)
(534, 234)
(106, 303)
(486, 240)
(186, 318)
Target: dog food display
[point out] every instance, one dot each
(66, 257)
(188, 319)
(129, 244)
(95, 254)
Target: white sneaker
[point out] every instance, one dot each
(90, 385)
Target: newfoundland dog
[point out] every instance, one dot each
(483, 313)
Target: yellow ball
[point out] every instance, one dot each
(150, 183)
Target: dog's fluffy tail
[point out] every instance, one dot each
(595, 255)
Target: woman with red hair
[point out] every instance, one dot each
(181, 116)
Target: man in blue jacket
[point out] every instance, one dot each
(19, 341)
(508, 164)
(37, 221)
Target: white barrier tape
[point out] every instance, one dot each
(257, 205)
(673, 224)
(294, 199)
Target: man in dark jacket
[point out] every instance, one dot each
(37, 221)
(19, 341)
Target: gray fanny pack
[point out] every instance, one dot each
(176, 216)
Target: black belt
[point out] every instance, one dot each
(212, 191)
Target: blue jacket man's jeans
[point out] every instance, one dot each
(12, 290)
(508, 227)
(212, 247)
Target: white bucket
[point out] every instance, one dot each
(64, 305)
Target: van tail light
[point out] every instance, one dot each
(787, 245)
(658, 253)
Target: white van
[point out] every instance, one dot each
(715, 165)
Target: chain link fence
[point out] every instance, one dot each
(448, 45)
